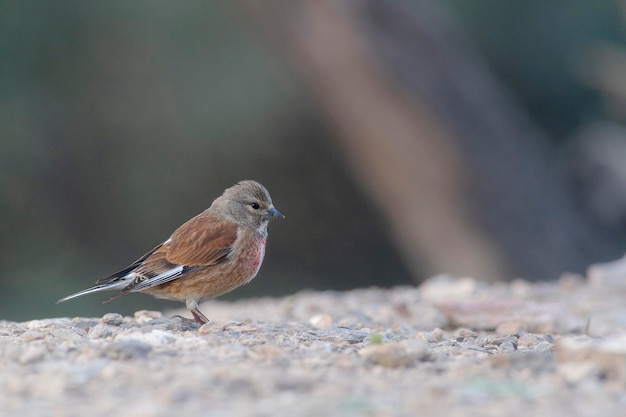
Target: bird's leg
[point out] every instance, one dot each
(200, 318)
(192, 306)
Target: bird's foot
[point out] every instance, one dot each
(185, 323)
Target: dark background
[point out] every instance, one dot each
(121, 120)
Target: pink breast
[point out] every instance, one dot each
(256, 257)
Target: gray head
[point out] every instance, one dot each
(247, 203)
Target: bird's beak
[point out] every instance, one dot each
(272, 212)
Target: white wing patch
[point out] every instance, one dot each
(162, 278)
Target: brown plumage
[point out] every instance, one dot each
(211, 254)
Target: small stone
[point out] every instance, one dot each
(447, 288)
(491, 349)
(466, 333)
(529, 340)
(143, 316)
(101, 331)
(425, 336)
(114, 319)
(321, 321)
(484, 340)
(35, 324)
(508, 339)
(508, 347)
(212, 326)
(544, 346)
(240, 328)
(437, 334)
(175, 324)
(206, 328)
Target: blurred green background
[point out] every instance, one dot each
(121, 120)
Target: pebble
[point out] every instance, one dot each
(447, 288)
(507, 347)
(437, 334)
(321, 321)
(101, 331)
(143, 316)
(113, 319)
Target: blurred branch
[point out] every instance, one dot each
(402, 155)
(465, 179)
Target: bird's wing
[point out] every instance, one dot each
(202, 241)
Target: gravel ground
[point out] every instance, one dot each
(450, 347)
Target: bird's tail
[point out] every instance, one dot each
(111, 286)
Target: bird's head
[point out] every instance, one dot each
(247, 203)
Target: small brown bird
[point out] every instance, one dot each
(215, 252)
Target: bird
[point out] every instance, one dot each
(211, 254)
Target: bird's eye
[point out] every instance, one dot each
(255, 206)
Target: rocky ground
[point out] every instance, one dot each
(450, 347)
